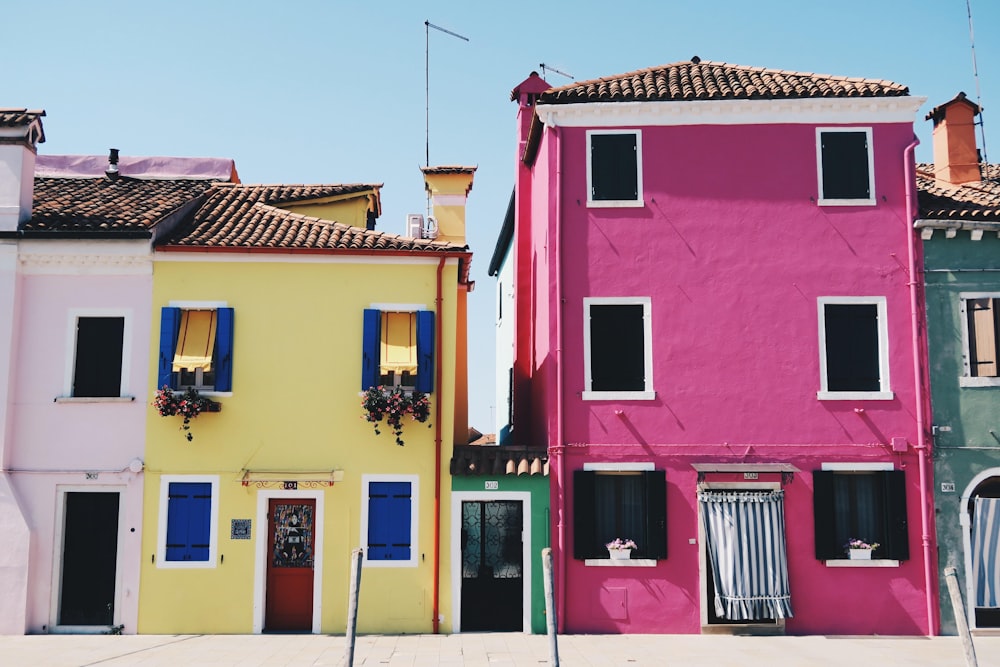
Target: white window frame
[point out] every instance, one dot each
(848, 467)
(884, 393)
(967, 379)
(871, 201)
(629, 467)
(414, 481)
(74, 315)
(647, 394)
(616, 203)
(161, 533)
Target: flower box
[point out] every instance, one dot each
(859, 554)
(620, 554)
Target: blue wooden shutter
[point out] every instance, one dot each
(389, 512)
(170, 324)
(656, 515)
(189, 507)
(585, 516)
(425, 351)
(371, 334)
(224, 350)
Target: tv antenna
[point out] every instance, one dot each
(427, 83)
(548, 67)
(983, 171)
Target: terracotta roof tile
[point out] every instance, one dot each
(19, 117)
(253, 217)
(467, 460)
(101, 205)
(706, 80)
(968, 204)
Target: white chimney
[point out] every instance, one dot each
(20, 133)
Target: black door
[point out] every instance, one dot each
(90, 554)
(492, 566)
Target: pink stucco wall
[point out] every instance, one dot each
(54, 444)
(733, 251)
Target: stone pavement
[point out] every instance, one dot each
(488, 650)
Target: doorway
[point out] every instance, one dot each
(290, 563)
(492, 595)
(89, 574)
(983, 511)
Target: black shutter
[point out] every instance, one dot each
(845, 165)
(852, 347)
(897, 545)
(824, 518)
(98, 367)
(614, 174)
(655, 545)
(617, 348)
(585, 515)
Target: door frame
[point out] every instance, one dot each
(965, 520)
(260, 562)
(704, 568)
(457, 497)
(57, 557)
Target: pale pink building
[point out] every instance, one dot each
(76, 236)
(719, 338)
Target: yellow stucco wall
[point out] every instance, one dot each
(295, 406)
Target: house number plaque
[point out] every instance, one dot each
(492, 485)
(291, 486)
(749, 475)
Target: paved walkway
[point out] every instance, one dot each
(489, 650)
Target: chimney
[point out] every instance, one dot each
(20, 133)
(448, 188)
(956, 158)
(112, 169)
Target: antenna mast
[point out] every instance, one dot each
(983, 172)
(547, 67)
(427, 84)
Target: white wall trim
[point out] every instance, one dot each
(615, 203)
(823, 201)
(73, 316)
(296, 258)
(639, 466)
(884, 392)
(414, 481)
(810, 111)
(647, 393)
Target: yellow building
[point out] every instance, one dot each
(279, 306)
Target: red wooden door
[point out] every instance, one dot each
(291, 548)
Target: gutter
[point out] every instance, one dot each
(922, 393)
(558, 449)
(436, 599)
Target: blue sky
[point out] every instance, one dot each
(334, 92)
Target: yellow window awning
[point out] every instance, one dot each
(399, 343)
(195, 341)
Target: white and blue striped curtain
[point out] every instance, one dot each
(986, 552)
(745, 532)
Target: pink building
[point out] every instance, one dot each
(718, 339)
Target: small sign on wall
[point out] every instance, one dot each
(291, 486)
(240, 529)
(947, 487)
(749, 475)
(492, 485)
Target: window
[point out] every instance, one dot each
(979, 315)
(388, 522)
(617, 335)
(853, 349)
(614, 174)
(866, 504)
(188, 521)
(398, 349)
(630, 504)
(196, 348)
(846, 166)
(97, 366)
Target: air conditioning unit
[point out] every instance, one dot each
(415, 226)
(431, 228)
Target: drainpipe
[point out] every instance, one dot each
(923, 446)
(561, 467)
(435, 622)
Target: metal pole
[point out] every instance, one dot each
(352, 606)
(951, 577)
(550, 606)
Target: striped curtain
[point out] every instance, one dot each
(986, 552)
(745, 533)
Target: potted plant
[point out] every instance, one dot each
(393, 405)
(188, 405)
(620, 549)
(858, 549)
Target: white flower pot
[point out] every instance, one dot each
(620, 554)
(859, 554)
